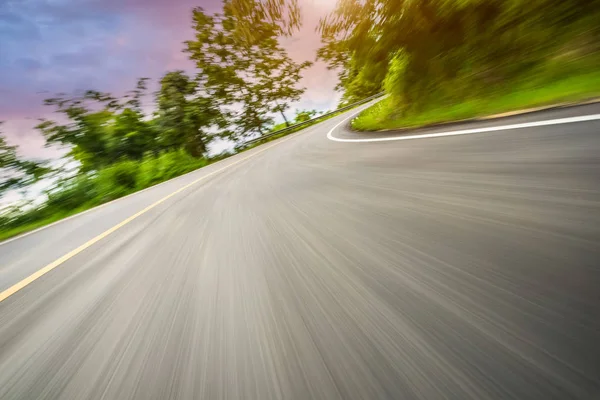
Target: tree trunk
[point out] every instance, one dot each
(284, 118)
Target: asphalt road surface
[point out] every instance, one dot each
(462, 267)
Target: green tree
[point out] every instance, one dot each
(14, 171)
(100, 128)
(186, 118)
(130, 136)
(84, 133)
(251, 77)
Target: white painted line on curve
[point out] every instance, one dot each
(549, 122)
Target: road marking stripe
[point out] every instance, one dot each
(558, 121)
(38, 274)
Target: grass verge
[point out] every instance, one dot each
(384, 115)
(18, 230)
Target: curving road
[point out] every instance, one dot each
(464, 267)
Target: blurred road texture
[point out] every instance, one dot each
(463, 267)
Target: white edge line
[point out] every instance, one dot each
(330, 133)
(558, 121)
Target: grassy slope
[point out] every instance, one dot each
(529, 94)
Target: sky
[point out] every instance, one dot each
(52, 46)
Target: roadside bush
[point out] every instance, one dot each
(175, 163)
(117, 180)
(394, 80)
(155, 169)
(149, 171)
(72, 193)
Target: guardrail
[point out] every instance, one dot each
(310, 121)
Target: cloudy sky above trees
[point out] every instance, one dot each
(51, 46)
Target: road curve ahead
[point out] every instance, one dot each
(463, 267)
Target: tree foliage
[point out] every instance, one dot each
(305, 115)
(283, 15)
(16, 172)
(252, 77)
(184, 116)
(441, 51)
(100, 129)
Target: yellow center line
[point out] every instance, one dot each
(38, 274)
